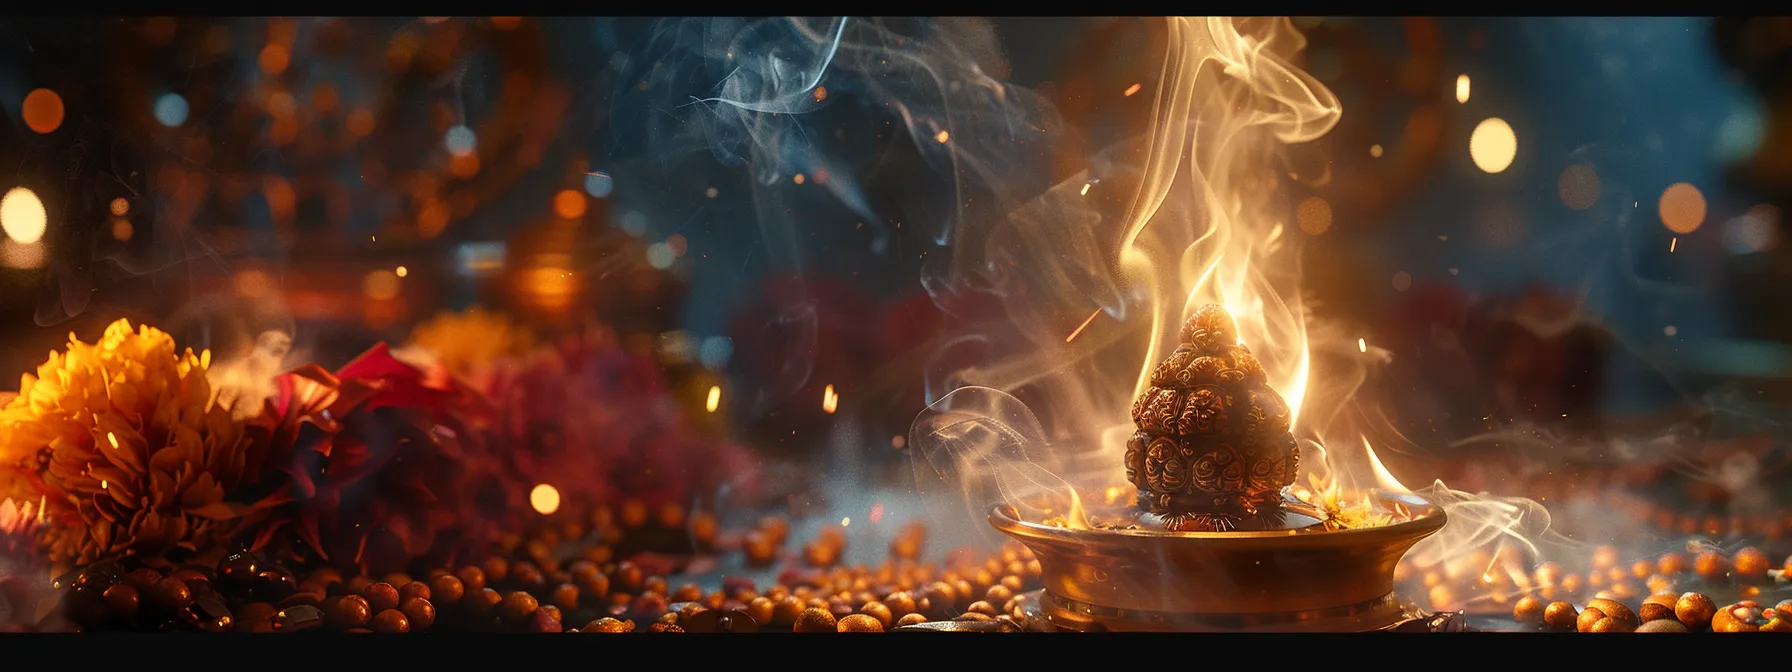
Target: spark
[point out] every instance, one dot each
(1081, 327)
(845, 521)
(1462, 88)
(715, 398)
(1672, 243)
(943, 137)
(829, 400)
(1362, 345)
(402, 271)
(1133, 89)
(1085, 190)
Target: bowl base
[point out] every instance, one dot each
(1047, 612)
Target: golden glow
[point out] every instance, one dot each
(1362, 345)
(1085, 191)
(360, 122)
(545, 499)
(1493, 145)
(829, 400)
(1375, 151)
(1578, 186)
(120, 206)
(1314, 215)
(381, 285)
(569, 204)
(1682, 208)
(845, 522)
(22, 216)
(274, 59)
(402, 271)
(800, 178)
(1402, 281)
(1133, 89)
(943, 137)
(715, 398)
(42, 111)
(1462, 88)
(1084, 325)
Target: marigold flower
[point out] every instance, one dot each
(125, 445)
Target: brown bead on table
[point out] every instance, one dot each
(122, 603)
(1663, 625)
(1695, 610)
(859, 623)
(1528, 610)
(445, 590)
(482, 603)
(390, 621)
(1560, 616)
(814, 620)
(517, 607)
(419, 611)
(911, 619)
(496, 569)
(1657, 607)
(416, 589)
(1740, 617)
(348, 612)
(381, 596)
(879, 611)
(472, 579)
(608, 625)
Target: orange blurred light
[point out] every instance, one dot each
(274, 59)
(829, 400)
(1578, 187)
(432, 220)
(569, 204)
(506, 22)
(120, 206)
(42, 110)
(282, 202)
(1682, 208)
(324, 97)
(122, 229)
(464, 165)
(360, 122)
(1314, 215)
(381, 285)
(545, 499)
(283, 131)
(715, 398)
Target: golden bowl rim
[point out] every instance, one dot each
(1422, 526)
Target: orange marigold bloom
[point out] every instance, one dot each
(124, 443)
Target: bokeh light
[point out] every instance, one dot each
(1462, 88)
(599, 185)
(1314, 215)
(14, 254)
(360, 122)
(122, 229)
(569, 204)
(22, 216)
(274, 59)
(660, 256)
(1756, 231)
(460, 141)
(381, 285)
(1682, 208)
(545, 499)
(1375, 151)
(1740, 134)
(715, 351)
(677, 244)
(119, 206)
(42, 111)
(1493, 145)
(634, 223)
(1578, 186)
(1402, 281)
(171, 110)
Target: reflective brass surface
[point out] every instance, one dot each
(1277, 581)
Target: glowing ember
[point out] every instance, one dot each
(1462, 88)
(545, 499)
(1133, 89)
(943, 137)
(1085, 324)
(845, 522)
(829, 400)
(715, 398)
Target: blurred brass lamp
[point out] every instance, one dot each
(1216, 542)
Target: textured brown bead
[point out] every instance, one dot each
(390, 621)
(348, 612)
(517, 607)
(998, 594)
(1657, 607)
(1528, 610)
(381, 596)
(608, 625)
(413, 589)
(1695, 610)
(482, 603)
(860, 623)
(122, 602)
(1663, 625)
(496, 569)
(1609, 624)
(901, 603)
(910, 619)
(565, 596)
(445, 590)
(1560, 616)
(472, 579)
(814, 620)
(627, 578)
(419, 611)
(760, 609)
(689, 592)
(357, 584)
(880, 612)
(786, 610)
(1737, 618)
(1751, 565)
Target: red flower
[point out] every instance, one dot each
(383, 465)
